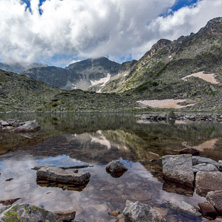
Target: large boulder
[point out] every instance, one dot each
(178, 168)
(26, 213)
(28, 127)
(185, 208)
(215, 198)
(116, 168)
(208, 181)
(56, 174)
(139, 212)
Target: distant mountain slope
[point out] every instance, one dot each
(159, 73)
(20, 93)
(80, 75)
(19, 67)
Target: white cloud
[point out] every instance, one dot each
(87, 28)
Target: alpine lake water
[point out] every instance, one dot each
(73, 139)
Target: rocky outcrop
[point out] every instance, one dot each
(58, 175)
(26, 213)
(139, 212)
(208, 181)
(28, 127)
(215, 198)
(185, 208)
(178, 168)
(116, 168)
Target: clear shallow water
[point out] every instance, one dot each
(97, 139)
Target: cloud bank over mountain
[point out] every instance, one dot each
(62, 31)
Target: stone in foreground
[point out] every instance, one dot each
(116, 168)
(208, 181)
(185, 208)
(139, 212)
(28, 127)
(26, 213)
(56, 174)
(215, 198)
(207, 210)
(178, 168)
(199, 160)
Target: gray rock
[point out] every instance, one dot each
(185, 208)
(207, 210)
(208, 181)
(28, 127)
(4, 123)
(139, 212)
(215, 198)
(56, 174)
(178, 168)
(26, 213)
(206, 167)
(116, 169)
(198, 160)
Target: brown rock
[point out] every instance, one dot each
(114, 213)
(215, 198)
(65, 216)
(192, 151)
(116, 169)
(208, 181)
(207, 210)
(9, 201)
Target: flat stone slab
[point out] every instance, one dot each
(179, 169)
(139, 212)
(26, 213)
(215, 198)
(206, 167)
(199, 160)
(185, 208)
(208, 181)
(56, 174)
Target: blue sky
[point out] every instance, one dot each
(58, 32)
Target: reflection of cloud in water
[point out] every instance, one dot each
(102, 194)
(101, 139)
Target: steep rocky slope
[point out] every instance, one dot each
(159, 73)
(80, 75)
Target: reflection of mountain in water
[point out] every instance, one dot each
(104, 137)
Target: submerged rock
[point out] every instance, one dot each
(56, 174)
(215, 198)
(116, 168)
(65, 216)
(208, 181)
(28, 127)
(178, 168)
(185, 208)
(139, 212)
(26, 213)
